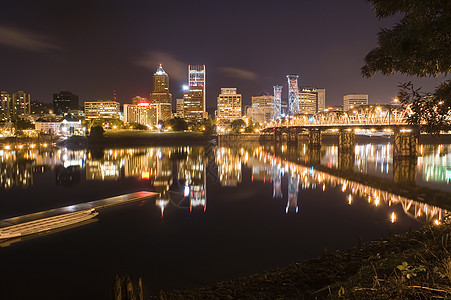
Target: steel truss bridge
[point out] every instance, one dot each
(365, 116)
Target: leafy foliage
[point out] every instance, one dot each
(177, 124)
(410, 271)
(97, 130)
(237, 125)
(424, 109)
(137, 126)
(419, 45)
(22, 124)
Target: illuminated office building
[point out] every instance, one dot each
(229, 105)
(142, 113)
(106, 109)
(262, 110)
(63, 102)
(179, 108)
(5, 107)
(321, 99)
(21, 104)
(14, 105)
(160, 95)
(193, 108)
(197, 78)
(353, 100)
(293, 96)
(311, 100)
(277, 102)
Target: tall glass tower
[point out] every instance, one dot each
(293, 97)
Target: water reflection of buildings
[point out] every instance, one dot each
(270, 167)
(182, 171)
(229, 167)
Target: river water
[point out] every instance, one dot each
(221, 212)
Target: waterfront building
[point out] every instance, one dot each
(353, 100)
(142, 113)
(321, 99)
(63, 102)
(193, 108)
(5, 107)
(160, 94)
(197, 78)
(71, 125)
(102, 109)
(293, 97)
(311, 100)
(229, 105)
(21, 104)
(262, 109)
(277, 102)
(308, 100)
(179, 108)
(14, 105)
(48, 126)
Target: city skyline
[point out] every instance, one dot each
(92, 49)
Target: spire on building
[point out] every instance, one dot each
(160, 71)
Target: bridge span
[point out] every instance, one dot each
(369, 119)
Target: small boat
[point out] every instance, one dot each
(46, 224)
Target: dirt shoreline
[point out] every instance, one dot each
(369, 271)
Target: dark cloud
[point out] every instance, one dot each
(175, 68)
(25, 40)
(238, 73)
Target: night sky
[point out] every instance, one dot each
(92, 47)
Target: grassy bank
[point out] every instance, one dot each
(415, 265)
(139, 138)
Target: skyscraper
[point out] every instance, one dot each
(63, 102)
(193, 104)
(311, 100)
(160, 94)
(293, 97)
(5, 108)
(277, 102)
(262, 109)
(229, 105)
(20, 104)
(197, 78)
(321, 99)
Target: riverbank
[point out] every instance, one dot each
(138, 138)
(414, 265)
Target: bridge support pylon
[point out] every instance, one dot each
(314, 137)
(278, 135)
(404, 170)
(346, 140)
(405, 143)
(292, 136)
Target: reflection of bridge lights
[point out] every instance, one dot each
(350, 199)
(393, 217)
(343, 188)
(377, 201)
(437, 222)
(324, 187)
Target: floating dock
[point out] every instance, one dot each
(66, 216)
